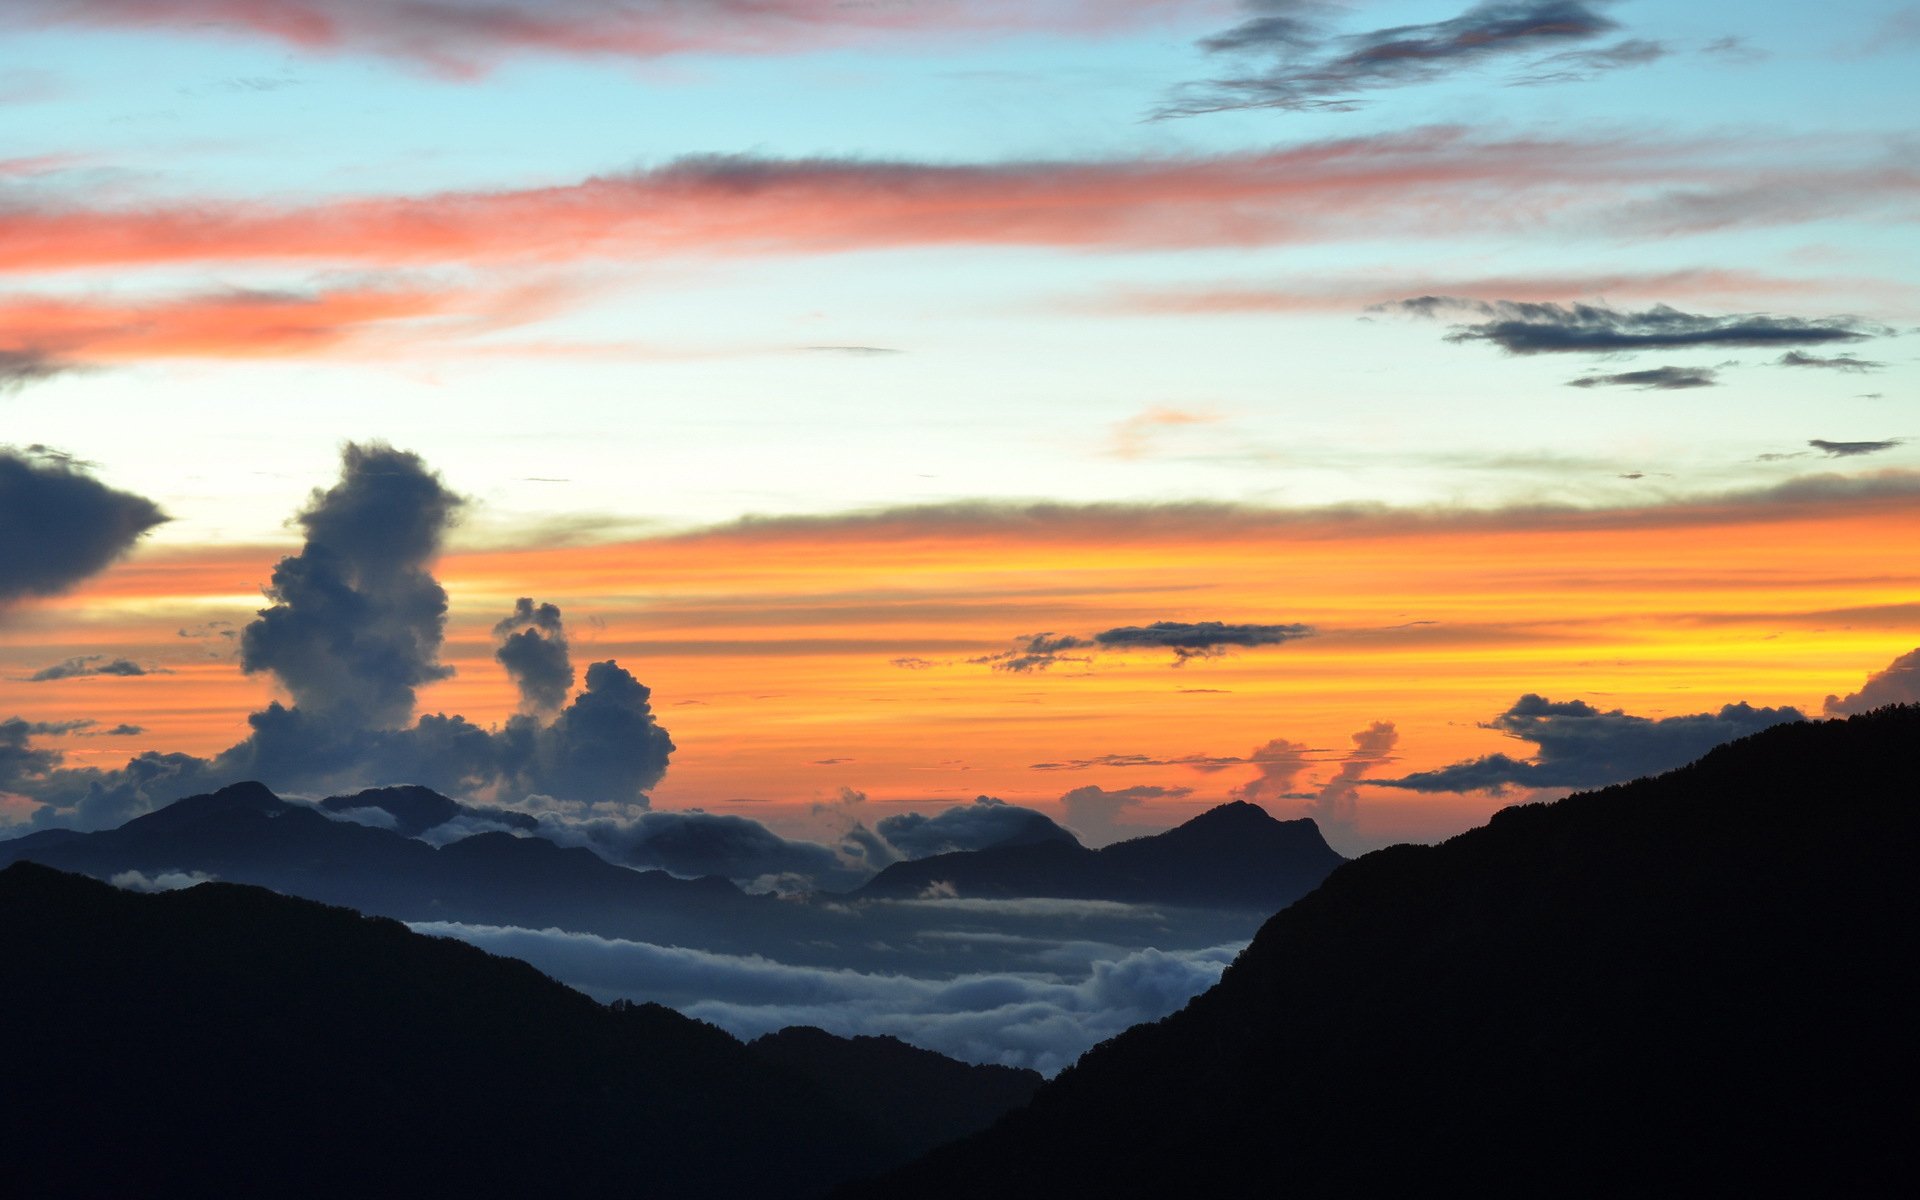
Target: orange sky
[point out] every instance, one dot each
(770, 648)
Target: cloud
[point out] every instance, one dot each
(1096, 813)
(1899, 683)
(1314, 70)
(165, 881)
(89, 665)
(1197, 639)
(463, 39)
(1666, 379)
(1836, 362)
(20, 367)
(1853, 449)
(1038, 1020)
(1528, 327)
(696, 844)
(59, 525)
(533, 649)
(1335, 804)
(1578, 66)
(1579, 746)
(1280, 763)
(1419, 181)
(1031, 652)
(358, 618)
(986, 822)
(354, 630)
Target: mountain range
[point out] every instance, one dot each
(1697, 984)
(224, 1040)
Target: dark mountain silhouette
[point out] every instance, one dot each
(1233, 856)
(1699, 984)
(228, 1041)
(246, 834)
(920, 1098)
(416, 809)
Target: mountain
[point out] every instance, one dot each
(227, 1041)
(1233, 856)
(1699, 984)
(920, 1098)
(416, 809)
(246, 834)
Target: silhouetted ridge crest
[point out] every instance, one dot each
(1693, 984)
(229, 1041)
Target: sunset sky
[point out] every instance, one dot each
(1186, 399)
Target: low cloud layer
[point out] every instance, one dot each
(60, 525)
(1579, 746)
(1038, 1020)
(1528, 327)
(1899, 683)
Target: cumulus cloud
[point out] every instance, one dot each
(358, 618)
(354, 630)
(533, 649)
(1578, 746)
(1532, 327)
(1833, 362)
(88, 665)
(1027, 1019)
(1899, 683)
(1197, 639)
(1313, 69)
(1665, 379)
(1853, 449)
(1280, 764)
(985, 822)
(59, 525)
(1097, 814)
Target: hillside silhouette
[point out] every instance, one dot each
(1231, 856)
(227, 1041)
(1693, 984)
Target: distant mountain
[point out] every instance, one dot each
(228, 1041)
(415, 810)
(1233, 856)
(920, 1098)
(1700, 984)
(246, 834)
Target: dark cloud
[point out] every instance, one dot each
(18, 368)
(1836, 362)
(1097, 813)
(1197, 639)
(1666, 379)
(697, 844)
(91, 664)
(1853, 449)
(1314, 70)
(121, 730)
(1529, 327)
(1899, 683)
(355, 629)
(58, 524)
(1033, 652)
(358, 618)
(985, 822)
(1580, 746)
(533, 650)
(1576, 66)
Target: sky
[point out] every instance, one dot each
(1384, 412)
